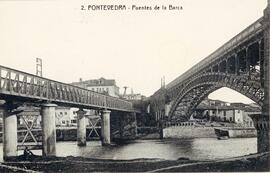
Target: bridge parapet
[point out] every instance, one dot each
(24, 86)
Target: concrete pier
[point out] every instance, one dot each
(81, 128)
(9, 132)
(48, 129)
(260, 123)
(105, 127)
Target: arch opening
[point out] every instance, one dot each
(229, 95)
(213, 98)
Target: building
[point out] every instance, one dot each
(102, 85)
(226, 112)
(222, 113)
(66, 117)
(133, 96)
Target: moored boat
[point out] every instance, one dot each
(223, 137)
(232, 132)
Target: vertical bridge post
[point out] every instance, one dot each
(266, 106)
(81, 128)
(48, 129)
(105, 127)
(260, 124)
(9, 131)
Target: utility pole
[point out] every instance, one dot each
(163, 82)
(125, 91)
(39, 67)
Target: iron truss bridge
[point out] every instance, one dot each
(25, 87)
(238, 64)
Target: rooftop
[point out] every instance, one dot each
(96, 82)
(231, 107)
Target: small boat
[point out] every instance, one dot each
(223, 137)
(243, 132)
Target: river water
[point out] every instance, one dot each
(172, 149)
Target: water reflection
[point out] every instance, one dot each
(197, 149)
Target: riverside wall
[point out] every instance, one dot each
(238, 133)
(189, 132)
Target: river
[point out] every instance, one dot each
(172, 149)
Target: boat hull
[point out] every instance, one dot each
(236, 132)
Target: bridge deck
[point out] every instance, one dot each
(23, 86)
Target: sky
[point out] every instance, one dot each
(136, 48)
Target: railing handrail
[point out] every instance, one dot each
(106, 97)
(4, 67)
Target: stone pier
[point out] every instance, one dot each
(261, 125)
(9, 131)
(105, 127)
(48, 129)
(266, 107)
(81, 128)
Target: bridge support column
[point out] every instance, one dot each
(48, 129)
(266, 106)
(81, 128)
(9, 132)
(105, 127)
(261, 125)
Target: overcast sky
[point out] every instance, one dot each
(136, 48)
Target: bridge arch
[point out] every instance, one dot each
(199, 87)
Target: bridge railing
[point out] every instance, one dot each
(246, 34)
(28, 86)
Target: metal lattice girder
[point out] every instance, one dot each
(24, 86)
(201, 85)
(205, 90)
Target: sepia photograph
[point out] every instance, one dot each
(134, 86)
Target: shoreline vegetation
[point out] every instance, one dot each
(252, 162)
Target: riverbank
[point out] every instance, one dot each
(254, 162)
(196, 129)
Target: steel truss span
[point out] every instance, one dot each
(238, 65)
(27, 87)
